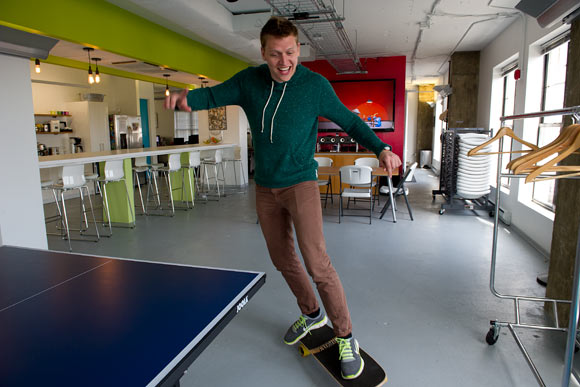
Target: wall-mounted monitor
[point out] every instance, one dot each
(372, 100)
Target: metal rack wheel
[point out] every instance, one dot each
(441, 211)
(492, 334)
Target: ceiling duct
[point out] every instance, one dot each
(24, 44)
(322, 26)
(550, 12)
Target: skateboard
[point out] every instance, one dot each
(321, 343)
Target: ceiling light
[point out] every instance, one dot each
(37, 65)
(166, 84)
(97, 74)
(91, 78)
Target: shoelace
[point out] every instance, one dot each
(301, 322)
(344, 349)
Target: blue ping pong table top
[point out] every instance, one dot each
(71, 319)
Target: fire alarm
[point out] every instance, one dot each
(517, 74)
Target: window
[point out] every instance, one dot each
(507, 109)
(554, 82)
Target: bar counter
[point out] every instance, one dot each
(121, 154)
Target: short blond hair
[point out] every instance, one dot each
(278, 27)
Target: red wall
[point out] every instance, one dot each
(378, 68)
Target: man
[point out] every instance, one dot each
(282, 101)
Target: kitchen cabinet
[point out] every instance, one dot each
(91, 124)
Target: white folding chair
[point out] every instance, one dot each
(360, 178)
(325, 162)
(401, 189)
(372, 162)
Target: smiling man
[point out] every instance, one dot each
(283, 100)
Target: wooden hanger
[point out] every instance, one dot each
(571, 145)
(503, 131)
(526, 162)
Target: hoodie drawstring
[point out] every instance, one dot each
(265, 106)
(275, 110)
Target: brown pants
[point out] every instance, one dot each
(278, 209)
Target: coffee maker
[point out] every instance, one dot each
(75, 145)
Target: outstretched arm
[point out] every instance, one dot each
(389, 161)
(177, 101)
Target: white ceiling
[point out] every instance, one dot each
(427, 32)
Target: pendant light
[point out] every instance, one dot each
(91, 78)
(97, 74)
(37, 65)
(166, 84)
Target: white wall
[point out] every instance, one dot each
(514, 42)
(411, 106)
(21, 210)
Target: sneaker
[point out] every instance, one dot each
(351, 363)
(302, 326)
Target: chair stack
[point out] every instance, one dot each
(472, 171)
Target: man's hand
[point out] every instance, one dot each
(177, 101)
(389, 161)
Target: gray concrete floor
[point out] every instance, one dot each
(418, 292)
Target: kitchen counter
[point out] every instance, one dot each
(121, 154)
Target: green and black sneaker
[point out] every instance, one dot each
(302, 326)
(351, 363)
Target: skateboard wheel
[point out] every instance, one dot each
(303, 350)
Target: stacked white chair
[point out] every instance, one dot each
(473, 172)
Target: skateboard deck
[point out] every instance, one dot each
(321, 343)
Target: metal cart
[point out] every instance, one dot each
(493, 333)
(448, 175)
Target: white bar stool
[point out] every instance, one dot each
(215, 162)
(236, 160)
(173, 165)
(73, 178)
(194, 164)
(114, 173)
(141, 166)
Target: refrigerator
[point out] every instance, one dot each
(125, 131)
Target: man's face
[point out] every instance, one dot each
(281, 55)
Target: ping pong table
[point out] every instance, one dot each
(73, 319)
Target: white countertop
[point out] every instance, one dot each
(93, 157)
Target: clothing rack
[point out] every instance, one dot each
(448, 174)
(493, 333)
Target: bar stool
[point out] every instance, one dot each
(194, 164)
(46, 185)
(141, 166)
(114, 173)
(173, 165)
(236, 160)
(214, 162)
(73, 178)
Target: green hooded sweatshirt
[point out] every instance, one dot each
(283, 118)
